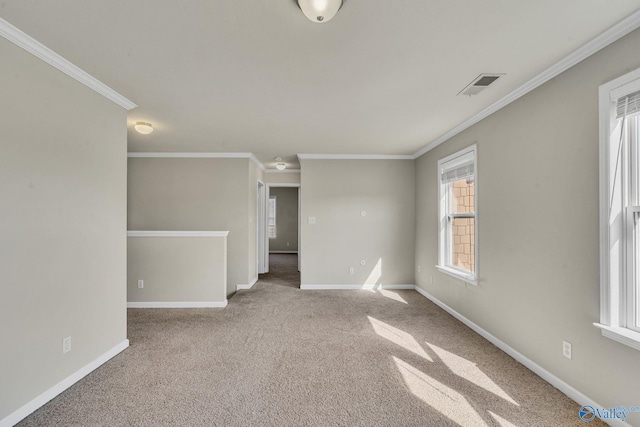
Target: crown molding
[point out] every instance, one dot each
(176, 155)
(283, 171)
(31, 45)
(162, 233)
(355, 157)
(257, 162)
(614, 33)
(180, 155)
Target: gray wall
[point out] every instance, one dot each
(286, 219)
(282, 177)
(63, 228)
(177, 269)
(538, 229)
(335, 192)
(199, 194)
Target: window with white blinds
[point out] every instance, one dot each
(271, 218)
(628, 105)
(458, 232)
(620, 209)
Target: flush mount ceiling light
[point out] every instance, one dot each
(143, 128)
(320, 10)
(281, 166)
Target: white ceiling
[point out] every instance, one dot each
(257, 76)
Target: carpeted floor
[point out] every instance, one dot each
(279, 356)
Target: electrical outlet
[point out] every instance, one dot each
(418, 269)
(566, 349)
(351, 270)
(140, 284)
(312, 220)
(66, 345)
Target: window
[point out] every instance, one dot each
(458, 245)
(271, 219)
(620, 209)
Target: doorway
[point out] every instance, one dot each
(283, 221)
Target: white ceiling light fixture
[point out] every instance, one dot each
(281, 166)
(320, 11)
(143, 128)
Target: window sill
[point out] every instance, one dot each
(472, 280)
(622, 335)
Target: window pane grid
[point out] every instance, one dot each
(461, 224)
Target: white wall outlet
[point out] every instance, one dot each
(312, 220)
(140, 284)
(363, 262)
(351, 271)
(287, 243)
(66, 345)
(566, 349)
(418, 269)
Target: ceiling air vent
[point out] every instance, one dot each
(479, 83)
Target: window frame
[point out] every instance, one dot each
(274, 200)
(618, 280)
(444, 212)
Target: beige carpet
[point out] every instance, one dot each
(279, 356)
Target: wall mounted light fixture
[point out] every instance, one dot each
(320, 11)
(143, 128)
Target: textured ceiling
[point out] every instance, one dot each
(257, 76)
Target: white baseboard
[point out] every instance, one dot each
(29, 408)
(248, 286)
(179, 304)
(362, 287)
(283, 252)
(565, 388)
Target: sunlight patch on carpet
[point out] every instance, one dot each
(501, 421)
(470, 372)
(392, 295)
(439, 396)
(396, 336)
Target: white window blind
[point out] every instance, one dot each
(271, 218)
(629, 104)
(464, 170)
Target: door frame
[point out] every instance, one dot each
(269, 186)
(262, 249)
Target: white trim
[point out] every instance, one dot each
(257, 162)
(179, 304)
(247, 286)
(457, 275)
(160, 233)
(42, 52)
(356, 287)
(467, 154)
(613, 296)
(180, 155)
(601, 41)
(624, 336)
(356, 157)
(27, 409)
(283, 185)
(565, 388)
(283, 171)
(283, 252)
